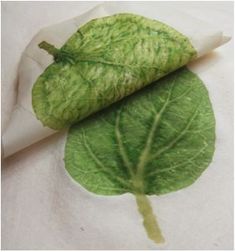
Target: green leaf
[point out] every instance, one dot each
(156, 141)
(106, 60)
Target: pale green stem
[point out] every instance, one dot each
(149, 219)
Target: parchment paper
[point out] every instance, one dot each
(24, 129)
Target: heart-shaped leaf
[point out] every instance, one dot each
(156, 141)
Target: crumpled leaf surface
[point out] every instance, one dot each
(106, 60)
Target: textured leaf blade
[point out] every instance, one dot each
(106, 60)
(156, 141)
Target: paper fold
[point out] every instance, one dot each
(24, 129)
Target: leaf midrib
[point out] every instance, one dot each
(144, 156)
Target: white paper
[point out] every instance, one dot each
(24, 129)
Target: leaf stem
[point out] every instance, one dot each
(59, 55)
(49, 48)
(149, 219)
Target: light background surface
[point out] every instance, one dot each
(43, 209)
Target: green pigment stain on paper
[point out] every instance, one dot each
(156, 141)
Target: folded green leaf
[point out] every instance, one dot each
(106, 60)
(156, 141)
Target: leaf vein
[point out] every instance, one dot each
(145, 153)
(121, 147)
(100, 164)
(174, 141)
(180, 164)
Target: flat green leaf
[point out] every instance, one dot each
(106, 60)
(156, 141)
